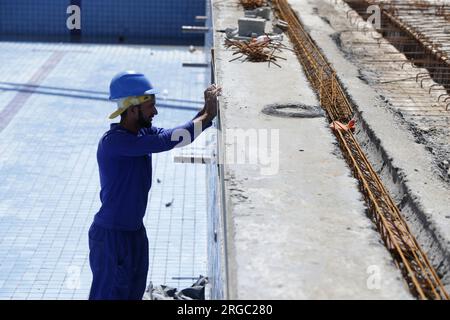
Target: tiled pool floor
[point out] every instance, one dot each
(53, 110)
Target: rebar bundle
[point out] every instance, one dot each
(256, 50)
(252, 4)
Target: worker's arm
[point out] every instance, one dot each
(126, 144)
(205, 124)
(156, 130)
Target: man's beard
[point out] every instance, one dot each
(143, 122)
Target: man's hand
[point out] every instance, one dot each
(210, 109)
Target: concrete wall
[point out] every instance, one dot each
(216, 238)
(139, 21)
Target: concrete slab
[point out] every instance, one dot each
(405, 165)
(299, 232)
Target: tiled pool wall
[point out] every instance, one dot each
(111, 21)
(216, 249)
(216, 239)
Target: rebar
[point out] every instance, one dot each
(252, 4)
(418, 272)
(256, 51)
(416, 26)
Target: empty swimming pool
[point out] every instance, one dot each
(53, 110)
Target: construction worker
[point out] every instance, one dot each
(118, 243)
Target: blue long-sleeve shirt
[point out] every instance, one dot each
(125, 166)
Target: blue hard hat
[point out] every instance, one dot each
(128, 84)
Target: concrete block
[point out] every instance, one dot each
(251, 26)
(263, 12)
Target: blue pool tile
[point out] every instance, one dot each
(50, 188)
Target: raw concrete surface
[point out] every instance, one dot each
(408, 167)
(301, 233)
